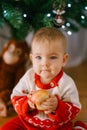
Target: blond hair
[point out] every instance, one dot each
(49, 35)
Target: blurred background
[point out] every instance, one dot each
(19, 19)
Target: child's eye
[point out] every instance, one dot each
(38, 57)
(53, 57)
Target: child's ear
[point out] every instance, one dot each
(31, 57)
(65, 58)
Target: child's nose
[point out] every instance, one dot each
(45, 62)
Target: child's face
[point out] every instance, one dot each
(48, 60)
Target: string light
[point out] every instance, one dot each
(69, 5)
(4, 11)
(25, 15)
(82, 17)
(85, 7)
(48, 15)
(63, 27)
(69, 32)
(68, 24)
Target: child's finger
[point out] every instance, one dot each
(30, 95)
(31, 104)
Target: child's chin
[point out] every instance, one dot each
(46, 78)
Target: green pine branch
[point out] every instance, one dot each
(21, 15)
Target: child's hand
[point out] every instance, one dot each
(31, 104)
(3, 111)
(50, 104)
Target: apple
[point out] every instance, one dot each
(38, 97)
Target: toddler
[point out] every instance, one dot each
(56, 112)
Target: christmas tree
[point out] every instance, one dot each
(23, 15)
